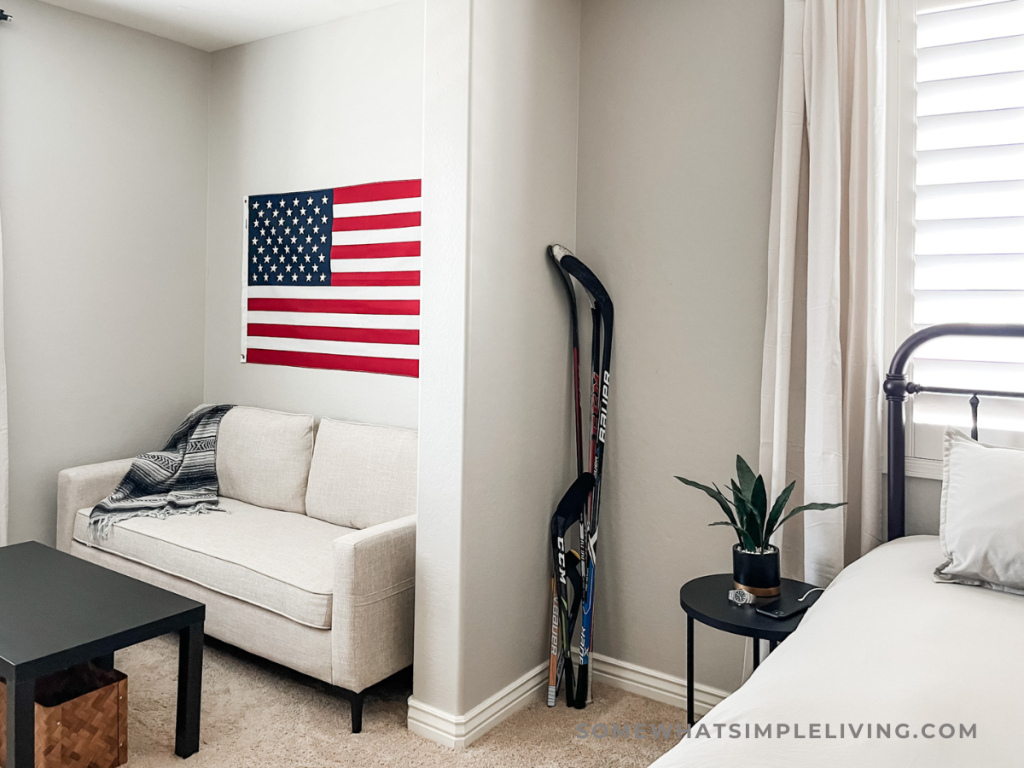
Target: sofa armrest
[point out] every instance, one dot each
(81, 487)
(374, 603)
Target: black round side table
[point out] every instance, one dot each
(707, 600)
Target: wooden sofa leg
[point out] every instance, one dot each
(357, 712)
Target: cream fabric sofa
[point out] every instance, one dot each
(312, 563)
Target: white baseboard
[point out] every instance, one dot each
(659, 686)
(459, 731)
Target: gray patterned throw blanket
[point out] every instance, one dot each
(179, 480)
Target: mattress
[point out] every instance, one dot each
(884, 645)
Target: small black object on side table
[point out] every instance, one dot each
(707, 600)
(57, 611)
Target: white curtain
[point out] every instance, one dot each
(822, 371)
(3, 406)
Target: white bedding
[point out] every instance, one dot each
(884, 644)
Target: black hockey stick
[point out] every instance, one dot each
(567, 514)
(575, 327)
(587, 520)
(556, 659)
(602, 307)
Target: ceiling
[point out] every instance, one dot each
(214, 24)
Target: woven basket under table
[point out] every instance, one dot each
(81, 719)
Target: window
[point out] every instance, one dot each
(960, 107)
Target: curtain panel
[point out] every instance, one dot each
(3, 408)
(821, 417)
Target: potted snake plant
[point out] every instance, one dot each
(755, 560)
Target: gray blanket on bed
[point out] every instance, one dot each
(179, 480)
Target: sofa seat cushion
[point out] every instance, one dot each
(272, 559)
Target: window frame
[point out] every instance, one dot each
(901, 171)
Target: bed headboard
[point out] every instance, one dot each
(898, 389)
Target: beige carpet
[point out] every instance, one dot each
(259, 714)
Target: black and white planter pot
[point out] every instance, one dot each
(755, 572)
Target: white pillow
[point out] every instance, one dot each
(982, 514)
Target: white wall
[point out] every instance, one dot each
(922, 505)
(330, 106)
(439, 645)
(103, 136)
(677, 120)
(499, 186)
(519, 460)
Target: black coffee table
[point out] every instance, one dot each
(57, 610)
(707, 600)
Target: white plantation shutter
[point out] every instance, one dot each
(969, 214)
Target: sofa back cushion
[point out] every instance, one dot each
(362, 475)
(263, 457)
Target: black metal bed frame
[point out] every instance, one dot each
(897, 390)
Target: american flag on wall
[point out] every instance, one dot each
(332, 279)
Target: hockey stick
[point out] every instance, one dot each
(555, 671)
(556, 658)
(602, 306)
(586, 519)
(566, 570)
(574, 323)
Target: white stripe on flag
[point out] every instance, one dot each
(409, 322)
(368, 236)
(394, 264)
(404, 351)
(392, 293)
(377, 207)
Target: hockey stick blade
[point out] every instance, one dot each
(567, 514)
(582, 273)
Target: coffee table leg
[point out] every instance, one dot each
(21, 723)
(689, 670)
(190, 688)
(757, 652)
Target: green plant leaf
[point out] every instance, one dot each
(737, 521)
(745, 541)
(752, 522)
(731, 525)
(772, 524)
(759, 508)
(714, 493)
(744, 514)
(745, 475)
(818, 506)
(737, 492)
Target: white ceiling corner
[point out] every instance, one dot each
(211, 25)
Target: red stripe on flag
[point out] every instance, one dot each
(380, 221)
(394, 366)
(330, 333)
(339, 306)
(381, 190)
(375, 278)
(376, 250)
